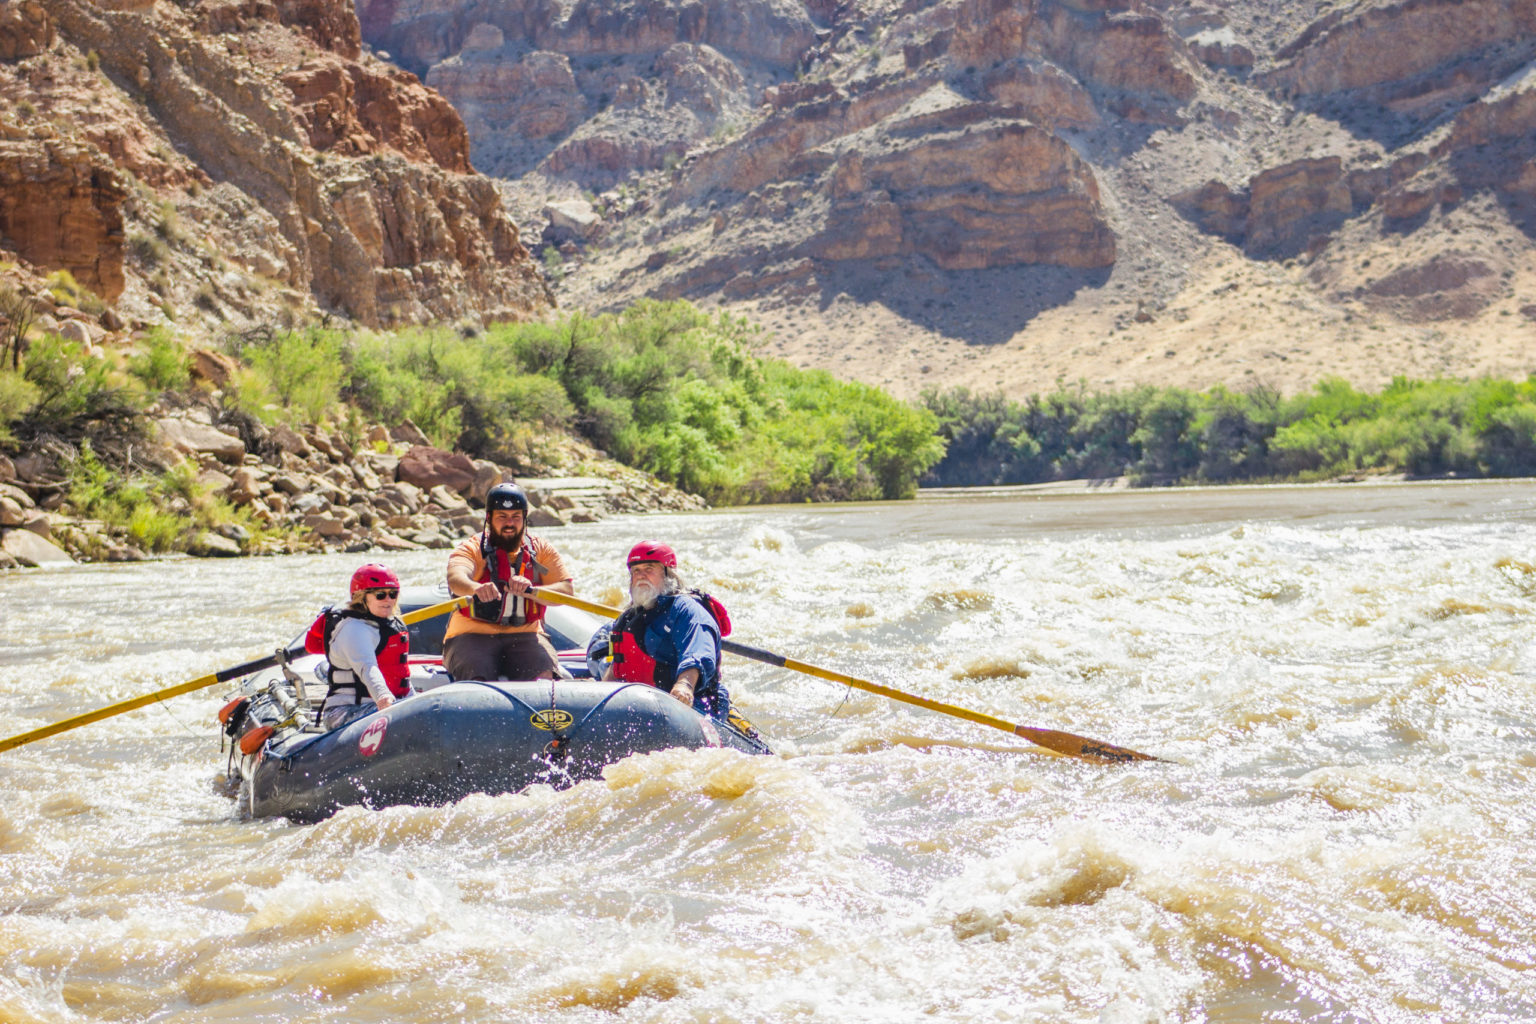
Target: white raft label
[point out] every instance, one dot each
(372, 738)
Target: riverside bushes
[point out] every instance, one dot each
(662, 386)
(158, 513)
(1480, 427)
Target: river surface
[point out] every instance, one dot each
(1340, 678)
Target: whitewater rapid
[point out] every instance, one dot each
(1341, 680)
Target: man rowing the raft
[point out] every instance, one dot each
(668, 636)
(501, 634)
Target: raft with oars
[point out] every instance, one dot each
(457, 738)
(430, 759)
(469, 737)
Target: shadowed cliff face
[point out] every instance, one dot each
(228, 162)
(988, 180)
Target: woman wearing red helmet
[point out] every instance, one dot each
(366, 646)
(669, 636)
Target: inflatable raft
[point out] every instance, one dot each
(454, 738)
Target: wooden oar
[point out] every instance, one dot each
(201, 682)
(1052, 739)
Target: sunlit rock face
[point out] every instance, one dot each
(234, 147)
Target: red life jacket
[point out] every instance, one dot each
(392, 651)
(633, 665)
(509, 609)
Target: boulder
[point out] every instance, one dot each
(541, 517)
(214, 367)
(382, 463)
(427, 467)
(207, 544)
(389, 542)
(310, 502)
(325, 525)
(197, 438)
(447, 500)
(408, 496)
(215, 481)
(35, 468)
(487, 475)
(30, 549)
(77, 332)
(245, 486)
(7, 470)
(38, 523)
(367, 479)
(290, 483)
(290, 441)
(322, 444)
(18, 495)
(406, 432)
(11, 513)
(572, 218)
(25, 30)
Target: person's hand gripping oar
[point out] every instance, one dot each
(1052, 739)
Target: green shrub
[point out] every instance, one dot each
(301, 370)
(1507, 445)
(126, 506)
(554, 263)
(69, 292)
(162, 364)
(18, 397)
(472, 393)
(1167, 437)
(162, 513)
(1425, 427)
(74, 390)
(151, 250)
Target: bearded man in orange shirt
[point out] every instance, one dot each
(501, 634)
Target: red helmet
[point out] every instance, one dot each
(374, 574)
(652, 551)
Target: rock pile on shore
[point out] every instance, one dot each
(391, 491)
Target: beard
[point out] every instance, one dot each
(643, 595)
(502, 540)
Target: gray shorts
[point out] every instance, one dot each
(500, 656)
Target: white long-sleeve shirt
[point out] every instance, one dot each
(353, 647)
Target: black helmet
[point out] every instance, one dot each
(505, 496)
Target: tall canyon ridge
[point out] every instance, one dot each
(991, 193)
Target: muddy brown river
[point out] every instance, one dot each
(1342, 680)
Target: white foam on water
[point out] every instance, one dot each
(1341, 832)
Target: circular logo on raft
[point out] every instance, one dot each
(372, 738)
(552, 719)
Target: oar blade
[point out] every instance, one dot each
(1081, 747)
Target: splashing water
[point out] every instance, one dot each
(1341, 678)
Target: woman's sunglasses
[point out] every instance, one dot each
(391, 593)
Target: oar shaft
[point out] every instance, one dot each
(143, 700)
(223, 675)
(758, 654)
(433, 611)
(1052, 739)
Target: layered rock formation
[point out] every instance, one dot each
(232, 160)
(850, 168)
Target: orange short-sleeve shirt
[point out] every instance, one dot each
(467, 554)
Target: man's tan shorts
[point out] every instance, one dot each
(500, 656)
